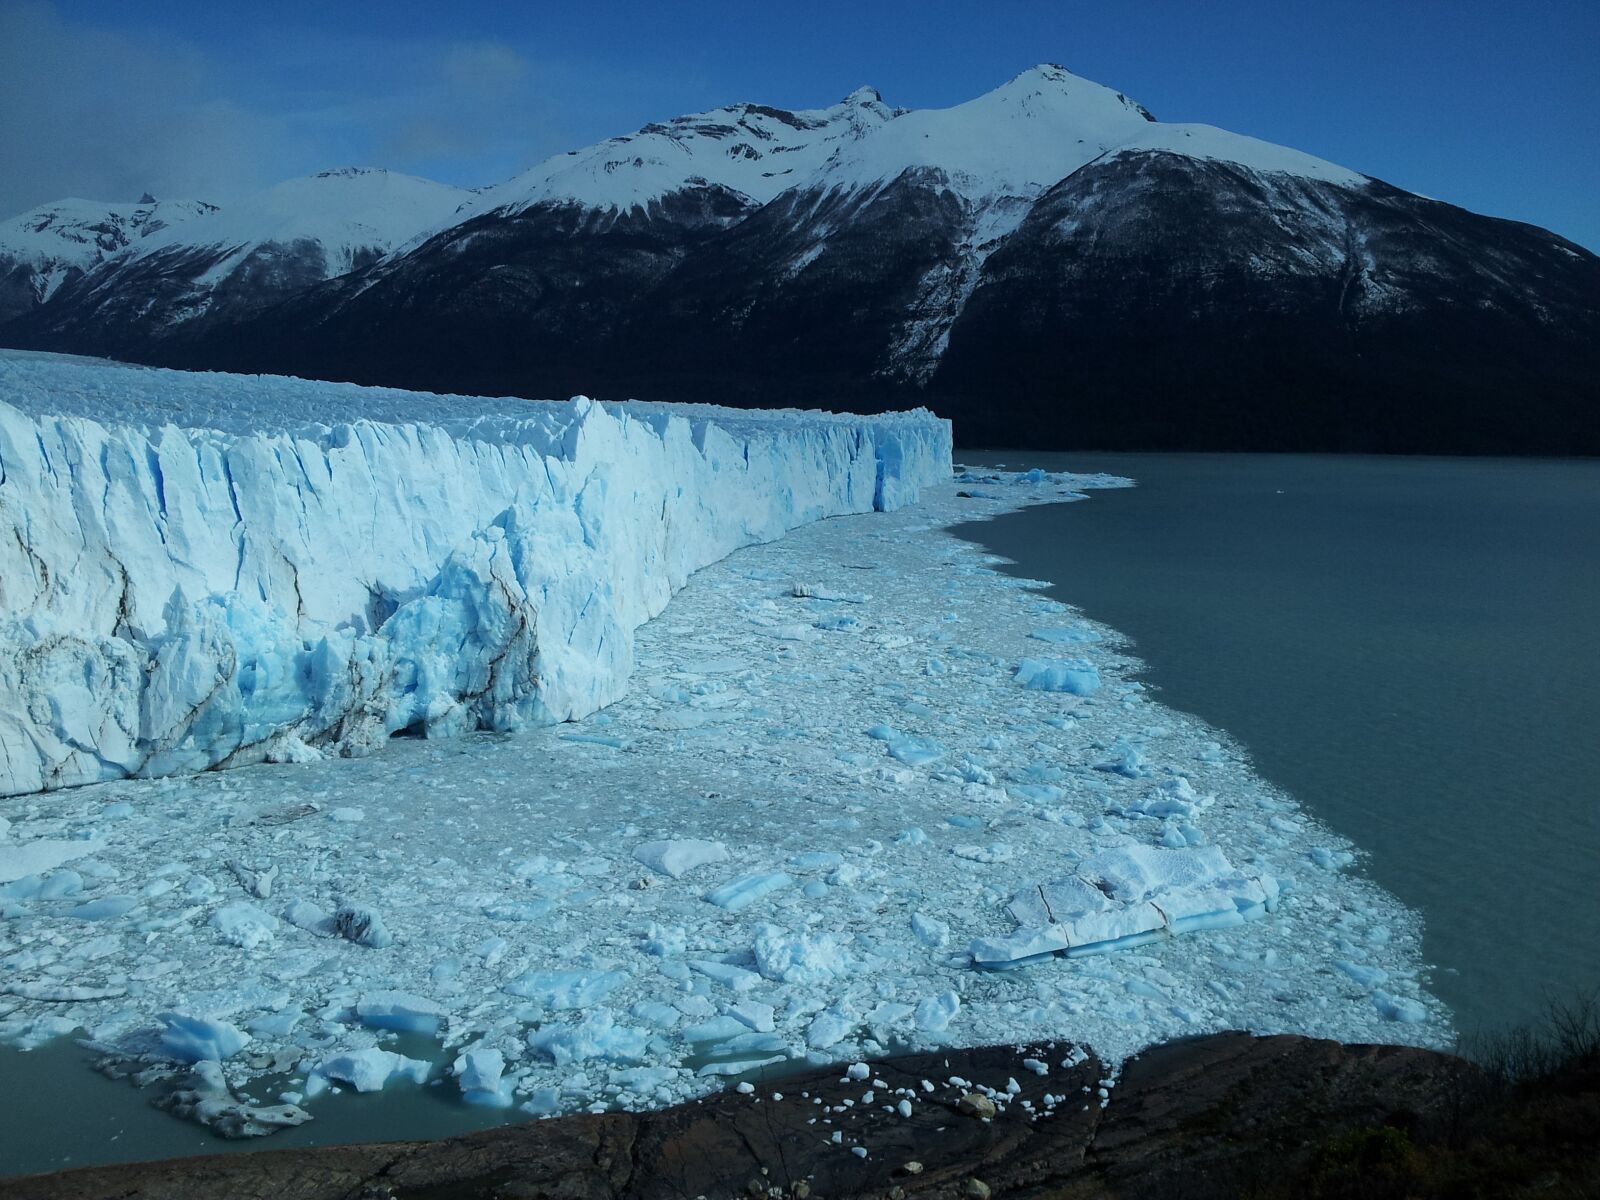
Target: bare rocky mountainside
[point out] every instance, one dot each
(1047, 264)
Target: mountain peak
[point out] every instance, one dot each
(865, 94)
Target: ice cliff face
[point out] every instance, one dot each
(203, 571)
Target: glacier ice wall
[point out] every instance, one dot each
(210, 570)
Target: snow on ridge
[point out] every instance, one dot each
(1016, 140)
(181, 590)
(346, 211)
(1210, 142)
(80, 232)
(754, 149)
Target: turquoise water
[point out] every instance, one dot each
(1410, 646)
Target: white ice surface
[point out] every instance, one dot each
(505, 868)
(200, 570)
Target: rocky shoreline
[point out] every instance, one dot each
(1228, 1114)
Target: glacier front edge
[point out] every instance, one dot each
(208, 570)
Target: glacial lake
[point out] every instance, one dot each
(1409, 646)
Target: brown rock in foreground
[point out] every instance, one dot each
(1224, 1115)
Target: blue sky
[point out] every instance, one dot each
(1492, 106)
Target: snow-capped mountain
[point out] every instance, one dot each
(1047, 262)
(229, 261)
(55, 243)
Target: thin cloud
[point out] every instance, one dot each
(107, 116)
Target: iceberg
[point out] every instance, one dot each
(205, 570)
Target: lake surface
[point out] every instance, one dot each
(1410, 646)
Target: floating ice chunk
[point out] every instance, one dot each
(930, 931)
(60, 993)
(520, 910)
(934, 1013)
(738, 894)
(479, 1074)
(1137, 872)
(42, 854)
(817, 860)
(717, 1029)
(368, 1070)
(996, 852)
(1065, 637)
(1074, 676)
(856, 1072)
(58, 885)
(741, 1066)
(786, 957)
(758, 1016)
(400, 1011)
(564, 989)
(303, 914)
(1115, 929)
(911, 837)
(675, 858)
(207, 1099)
(1056, 901)
(1330, 860)
(1398, 1008)
(1015, 949)
(361, 925)
(596, 1035)
(245, 925)
(812, 591)
(190, 1039)
(1126, 759)
(916, 751)
(108, 908)
(736, 977)
(348, 814)
(664, 941)
(828, 1028)
(1366, 976)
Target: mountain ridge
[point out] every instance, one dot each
(1045, 261)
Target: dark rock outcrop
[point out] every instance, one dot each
(1224, 1115)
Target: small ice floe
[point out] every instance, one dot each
(786, 957)
(814, 591)
(401, 1012)
(362, 925)
(1398, 1008)
(191, 1039)
(255, 881)
(739, 894)
(245, 925)
(564, 989)
(368, 1070)
(21, 859)
(206, 1098)
(1075, 676)
(594, 1036)
(677, 857)
(1125, 897)
(480, 1076)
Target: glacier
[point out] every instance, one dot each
(823, 816)
(202, 571)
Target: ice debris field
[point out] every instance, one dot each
(852, 791)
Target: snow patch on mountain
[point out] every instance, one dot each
(350, 213)
(1014, 141)
(753, 149)
(1218, 145)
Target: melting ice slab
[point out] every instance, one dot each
(1125, 897)
(211, 570)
